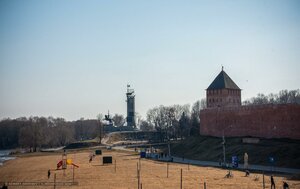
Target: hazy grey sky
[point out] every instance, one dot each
(74, 59)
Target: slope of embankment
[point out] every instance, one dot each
(286, 152)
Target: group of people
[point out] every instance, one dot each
(285, 185)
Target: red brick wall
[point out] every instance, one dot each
(266, 121)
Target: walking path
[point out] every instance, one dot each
(216, 164)
(241, 166)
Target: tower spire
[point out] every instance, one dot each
(222, 67)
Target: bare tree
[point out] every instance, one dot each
(184, 125)
(118, 119)
(64, 133)
(165, 119)
(145, 126)
(36, 128)
(156, 117)
(195, 117)
(100, 127)
(283, 97)
(203, 103)
(294, 96)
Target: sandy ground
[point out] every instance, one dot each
(153, 174)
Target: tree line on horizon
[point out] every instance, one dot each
(49, 132)
(36, 132)
(283, 97)
(172, 122)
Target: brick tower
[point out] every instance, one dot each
(223, 92)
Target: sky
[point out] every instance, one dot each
(74, 59)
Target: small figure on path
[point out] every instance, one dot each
(49, 173)
(247, 173)
(229, 174)
(285, 185)
(272, 182)
(91, 157)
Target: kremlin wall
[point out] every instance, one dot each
(225, 114)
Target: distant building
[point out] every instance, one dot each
(223, 92)
(130, 119)
(224, 114)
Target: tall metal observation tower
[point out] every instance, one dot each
(130, 107)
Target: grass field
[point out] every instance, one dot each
(34, 168)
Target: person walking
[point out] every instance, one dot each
(49, 173)
(91, 157)
(285, 185)
(272, 182)
(247, 173)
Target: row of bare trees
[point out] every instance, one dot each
(173, 122)
(39, 132)
(47, 132)
(283, 97)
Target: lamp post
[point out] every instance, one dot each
(223, 143)
(224, 150)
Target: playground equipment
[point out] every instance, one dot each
(64, 162)
(68, 162)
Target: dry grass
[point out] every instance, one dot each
(153, 174)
